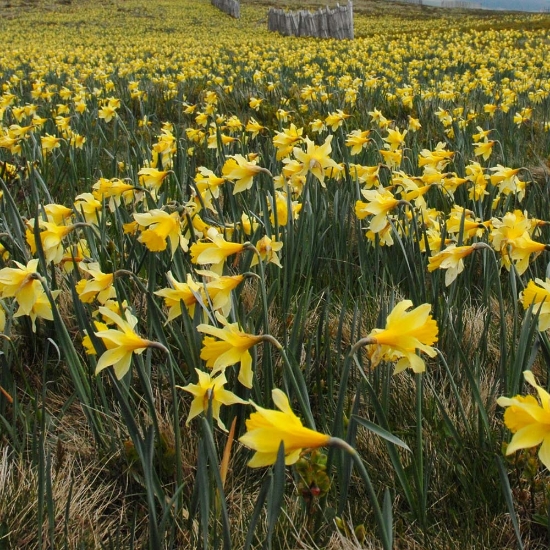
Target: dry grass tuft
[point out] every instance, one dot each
(81, 497)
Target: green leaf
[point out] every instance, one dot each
(388, 436)
(276, 493)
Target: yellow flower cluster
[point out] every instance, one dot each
(204, 155)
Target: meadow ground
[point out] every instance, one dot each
(215, 239)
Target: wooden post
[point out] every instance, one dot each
(231, 7)
(324, 23)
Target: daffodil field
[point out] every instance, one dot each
(270, 292)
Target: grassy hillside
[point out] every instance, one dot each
(199, 217)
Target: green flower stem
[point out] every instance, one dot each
(384, 535)
(300, 390)
(268, 372)
(419, 459)
(265, 305)
(502, 365)
(78, 371)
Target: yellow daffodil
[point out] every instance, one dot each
(286, 140)
(506, 230)
(254, 127)
(357, 140)
(51, 237)
(439, 158)
(336, 119)
(208, 391)
(74, 254)
(267, 429)
(233, 124)
(511, 236)
(255, 103)
(121, 343)
(414, 124)
(379, 118)
(248, 224)
(99, 286)
(476, 174)
(395, 139)
(152, 179)
(481, 135)
(451, 259)
(215, 250)
(162, 228)
(241, 171)
(392, 158)
(114, 190)
(462, 222)
(267, 248)
(219, 289)
(21, 283)
(186, 293)
(90, 207)
(537, 294)
(49, 143)
(317, 126)
(507, 181)
(41, 307)
(107, 113)
(380, 203)
(58, 214)
(229, 347)
(520, 250)
(529, 420)
(366, 175)
(484, 149)
(315, 159)
(405, 332)
(281, 207)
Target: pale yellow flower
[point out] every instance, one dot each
(315, 159)
(241, 171)
(208, 391)
(451, 259)
(99, 286)
(215, 250)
